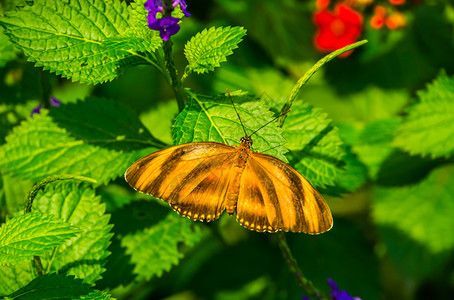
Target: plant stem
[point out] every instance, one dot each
(38, 265)
(305, 283)
(170, 64)
(302, 81)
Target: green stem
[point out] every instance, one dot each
(38, 265)
(305, 283)
(170, 64)
(175, 82)
(29, 203)
(302, 81)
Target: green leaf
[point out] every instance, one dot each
(373, 144)
(423, 212)
(316, 150)
(7, 52)
(207, 49)
(104, 123)
(156, 249)
(13, 191)
(132, 43)
(266, 81)
(96, 295)
(32, 234)
(160, 119)
(213, 119)
(429, 127)
(66, 37)
(53, 286)
(16, 276)
(355, 174)
(91, 142)
(85, 254)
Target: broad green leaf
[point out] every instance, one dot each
(428, 129)
(87, 138)
(16, 276)
(104, 123)
(213, 119)
(155, 243)
(159, 119)
(85, 254)
(354, 175)
(316, 150)
(265, 81)
(53, 286)
(423, 212)
(96, 295)
(13, 191)
(32, 234)
(207, 49)
(372, 146)
(368, 105)
(66, 37)
(7, 52)
(132, 43)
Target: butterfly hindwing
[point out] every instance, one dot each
(274, 196)
(193, 178)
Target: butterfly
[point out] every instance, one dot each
(202, 179)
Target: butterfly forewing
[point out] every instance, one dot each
(193, 178)
(274, 196)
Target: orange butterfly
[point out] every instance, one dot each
(201, 180)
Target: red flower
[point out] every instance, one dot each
(337, 29)
(397, 2)
(378, 19)
(396, 20)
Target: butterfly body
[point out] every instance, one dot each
(201, 180)
(242, 154)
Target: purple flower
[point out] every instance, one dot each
(335, 294)
(155, 6)
(182, 5)
(54, 101)
(167, 26)
(36, 110)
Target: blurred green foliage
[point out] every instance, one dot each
(388, 113)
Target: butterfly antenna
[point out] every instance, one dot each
(270, 122)
(244, 129)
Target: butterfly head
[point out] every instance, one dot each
(246, 141)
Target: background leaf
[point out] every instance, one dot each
(16, 276)
(7, 50)
(424, 212)
(84, 255)
(429, 127)
(31, 234)
(52, 286)
(154, 243)
(67, 37)
(373, 144)
(209, 48)
(85, 143)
